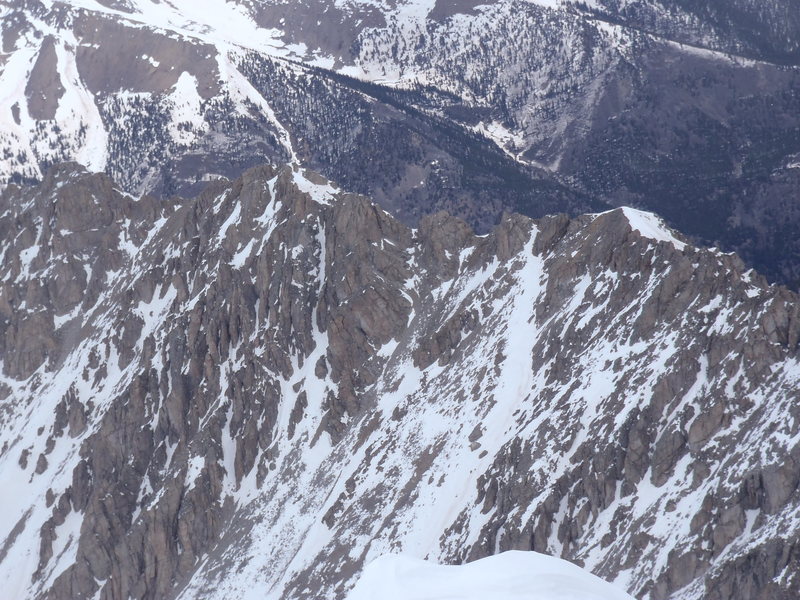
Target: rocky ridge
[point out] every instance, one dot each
(687, 109)
(250, 393)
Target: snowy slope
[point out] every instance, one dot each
(254, 393)
(565, 106)
(506, 576)
(543, 68)
(131, 90)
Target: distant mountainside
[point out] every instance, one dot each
(250, 393)
(763, 30)
(689, 109)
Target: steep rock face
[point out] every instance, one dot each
(689, 109)
(250, 393)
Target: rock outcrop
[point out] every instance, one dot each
(256, 390)
(476, 108)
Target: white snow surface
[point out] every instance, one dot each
(513, 575)
(651, 226)
(648, 225)
(187, 110)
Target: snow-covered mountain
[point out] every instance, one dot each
(507, 576)
(688, 109)
(253, 393)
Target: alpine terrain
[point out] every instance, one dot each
(689, 108)
(255, 392)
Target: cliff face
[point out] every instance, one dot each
(686, 108)
(249, 393)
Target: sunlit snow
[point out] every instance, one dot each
(509, 576)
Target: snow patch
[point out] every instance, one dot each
(187, 110)
(321, 193)
(511, 575)
(651, 226)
